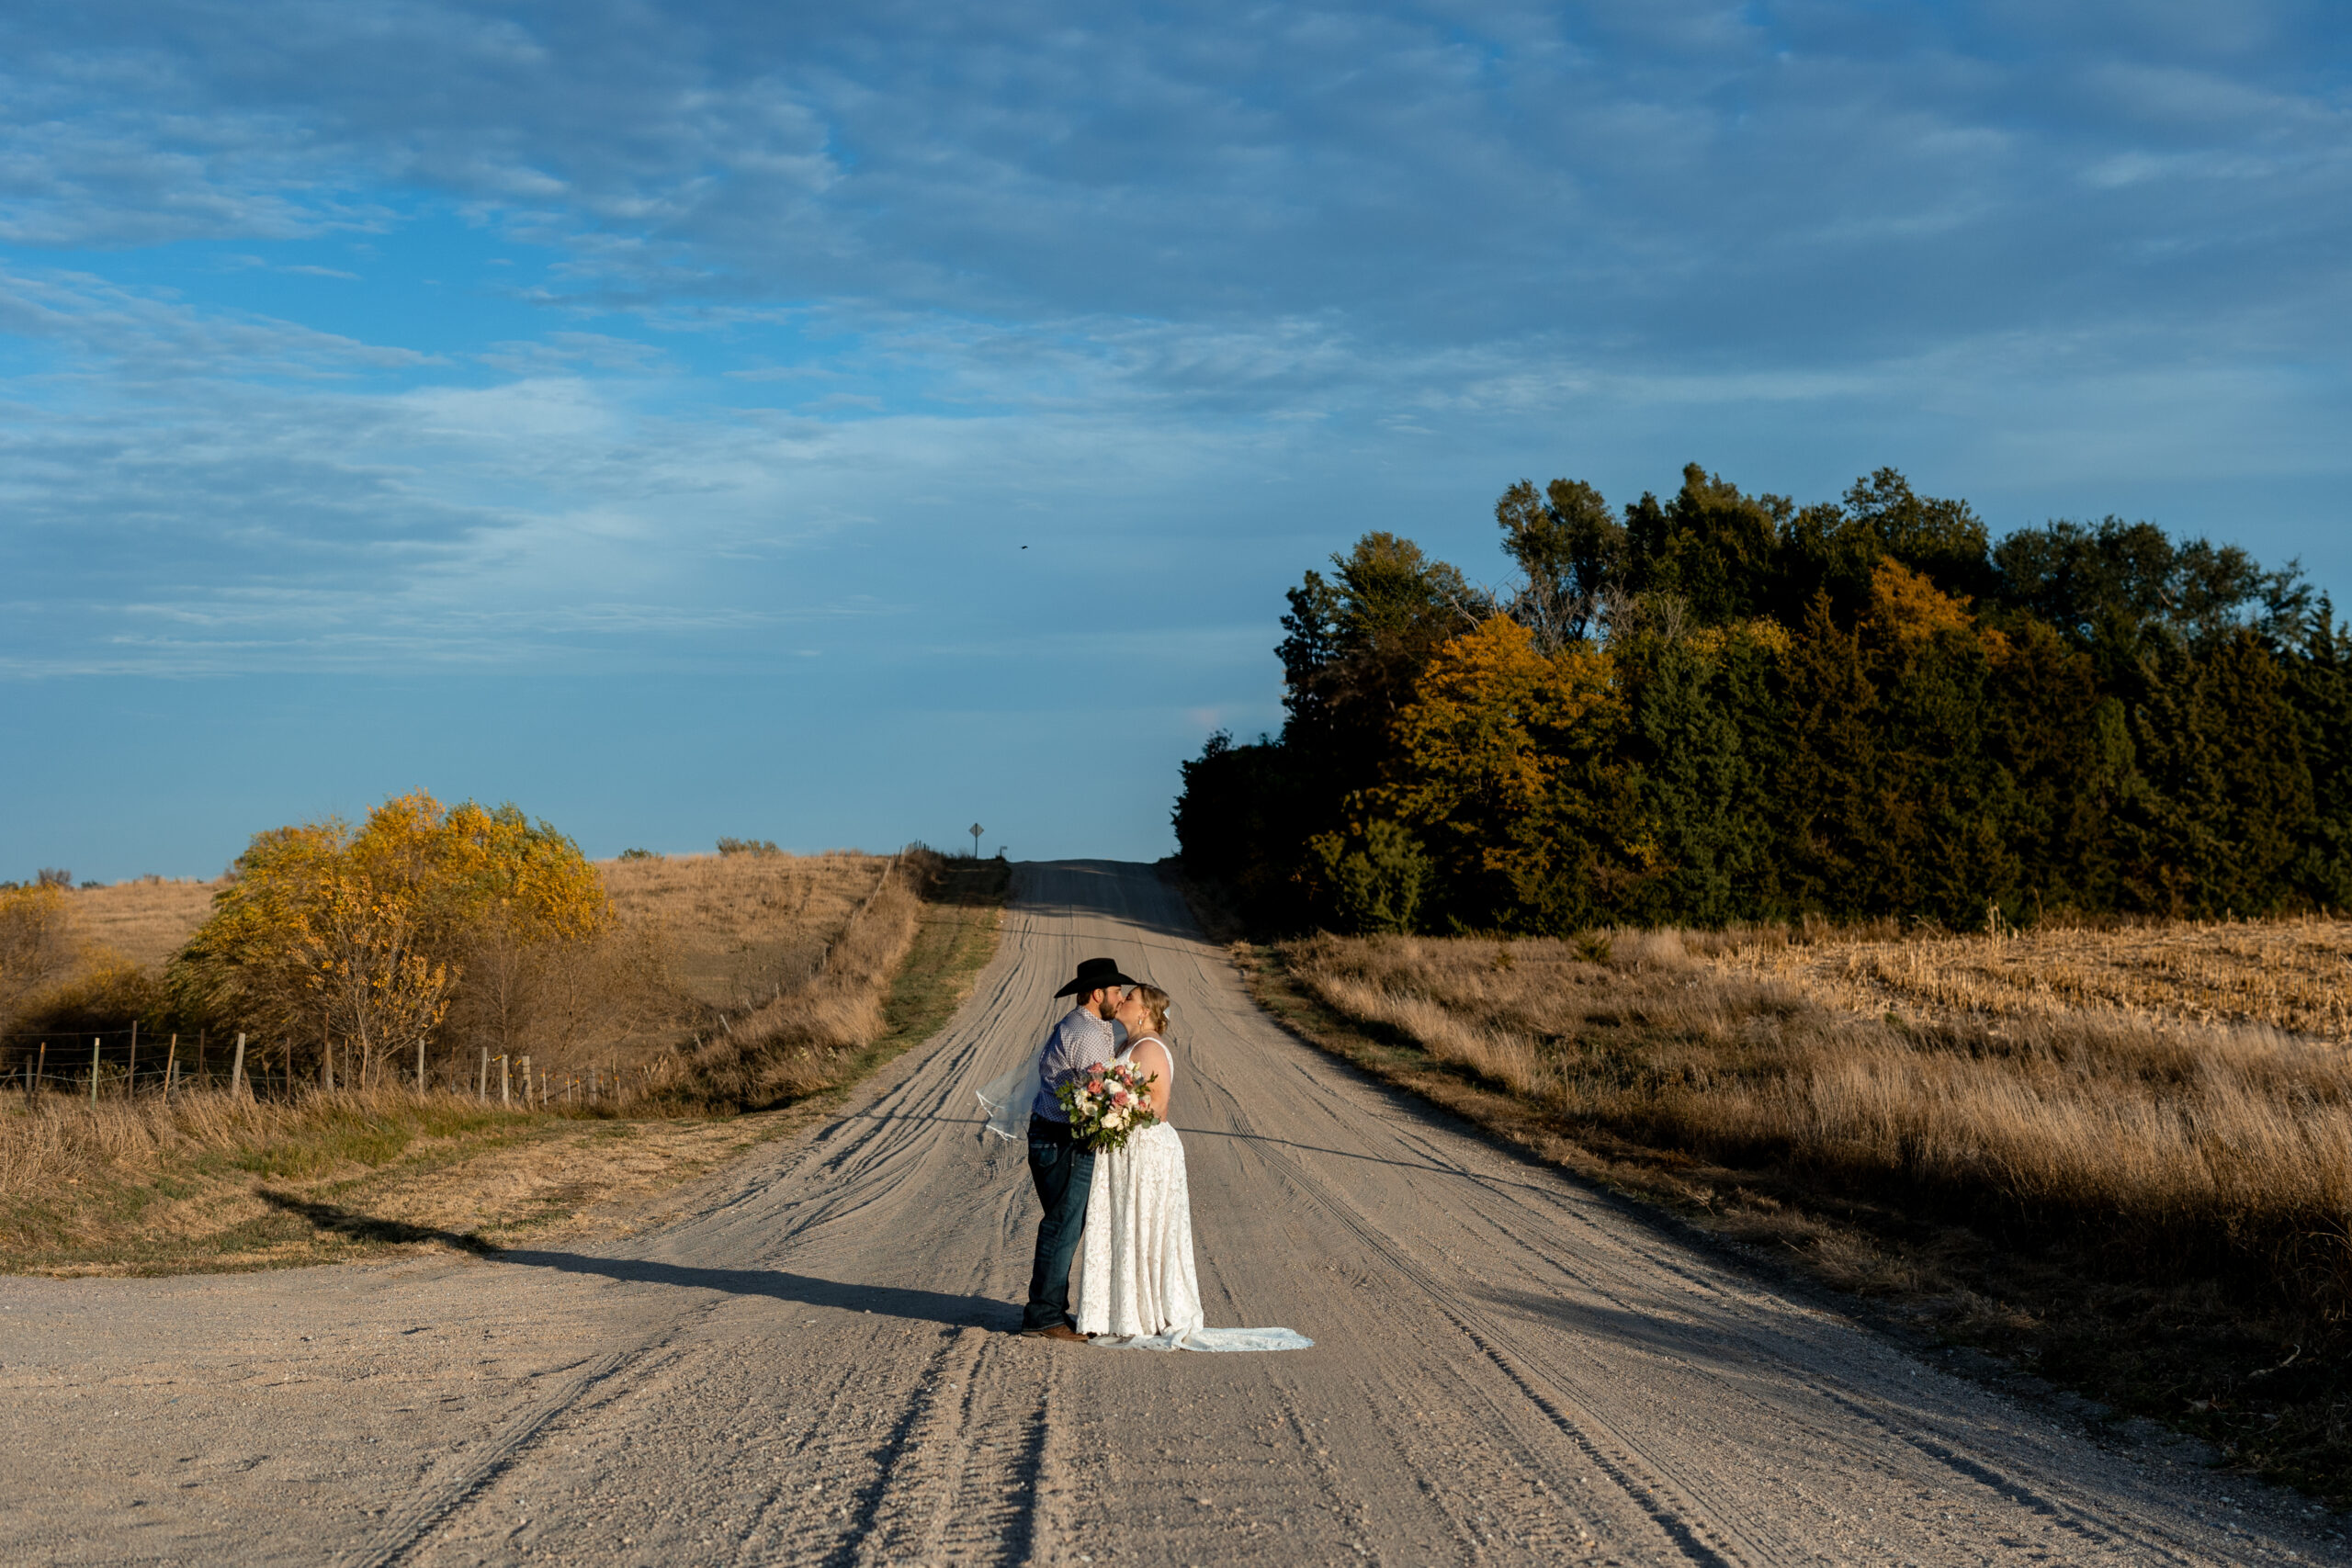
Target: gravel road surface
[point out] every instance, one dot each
(807, 1362)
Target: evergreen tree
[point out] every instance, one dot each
(2224, 794)
(1829, 785)
(1239, 821)
(1707, 744)
(2066, 758)
(2319, 691)
(1935, 847)
(1712, 546)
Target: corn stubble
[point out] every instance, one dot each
(2158, 1119)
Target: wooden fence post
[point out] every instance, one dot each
(171, 1066)
(237, 1069)
(526, 1083)
(506, 1081)
(93, 1072)
(420, 1064)
(482, 1084)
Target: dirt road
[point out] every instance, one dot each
(806, 1364)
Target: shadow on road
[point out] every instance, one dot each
(808, 1290)
(369, 1227)
(885, 1301)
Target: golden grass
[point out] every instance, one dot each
(2179, 1135)
(741, 929)
(215, 1182)
(701, 942)
(144, 922)
(793, 1043)
(2124, 1156)
(807, 973)
(737, 930)
(2293, 975)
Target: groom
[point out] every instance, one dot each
(1062, 1170)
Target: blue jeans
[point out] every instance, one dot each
(1064, 1174)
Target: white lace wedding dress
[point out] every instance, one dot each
(1134, 1284)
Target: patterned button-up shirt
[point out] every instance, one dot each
(1078, 1042)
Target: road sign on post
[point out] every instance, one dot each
(977, 831)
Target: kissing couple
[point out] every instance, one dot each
(1121, 1218)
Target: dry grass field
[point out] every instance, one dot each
(144, 922)
(212, 1181)
(2292, 976)
(741, 929)
(2137, 1086)
(784, 980)
(2124, 1155)
(738, 928)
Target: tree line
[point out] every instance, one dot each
(1726, 708)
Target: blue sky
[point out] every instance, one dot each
(639, 412)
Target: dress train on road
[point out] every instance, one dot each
(1135, 1285)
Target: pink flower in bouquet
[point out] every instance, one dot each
(1108, 1102)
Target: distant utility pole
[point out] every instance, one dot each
(977, 831)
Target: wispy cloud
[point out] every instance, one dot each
(148, 333)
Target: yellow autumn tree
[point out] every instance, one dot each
(348, 947)
(532, 943)
(1502, 765)
(1906, 609)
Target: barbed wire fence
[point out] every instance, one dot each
(134, 1063)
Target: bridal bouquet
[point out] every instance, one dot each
(1108, 1106)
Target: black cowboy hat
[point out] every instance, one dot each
(1093, 974)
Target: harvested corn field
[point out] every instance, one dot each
(2295, 976)
(2125, 1150)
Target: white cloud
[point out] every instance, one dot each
(804, 279)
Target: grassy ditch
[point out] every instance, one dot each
(2148, 1206)
(896, 975)
(213, 1181)
(209, 1181)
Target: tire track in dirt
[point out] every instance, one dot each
(1691, 1527)
(2075, 1516)
(409, 1525)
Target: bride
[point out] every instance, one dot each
(1136, 1283)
